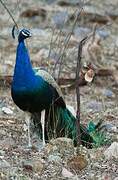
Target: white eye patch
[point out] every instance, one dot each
(25, 34)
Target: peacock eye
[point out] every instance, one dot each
(25, 33)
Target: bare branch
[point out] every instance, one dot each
(78, 67)
(66, 42)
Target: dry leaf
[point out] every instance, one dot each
(89, 75)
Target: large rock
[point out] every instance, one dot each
(112, 151)
(34, 165)
(63, 146)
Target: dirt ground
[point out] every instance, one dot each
(99, 99)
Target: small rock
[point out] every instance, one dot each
(77, 162)
(28, 166)
(112, 151)
(54, 158)
(110, 128)
(66, 173)
(116, 178)
(2, 153)
(2, 132)
(38, 166)
(108, 93)
(33, 165)
(4, 164)
(7, 110)
(95, 106)
(91, 175)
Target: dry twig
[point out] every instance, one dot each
(10, 14)
(78, 90)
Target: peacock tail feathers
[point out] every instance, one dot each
(97, 133)
(60, 122)
(66, 123)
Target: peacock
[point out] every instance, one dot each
(36, 92)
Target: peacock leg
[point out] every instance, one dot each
(43, 126)
(27, 120)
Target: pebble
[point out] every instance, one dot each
(54, 158)
(2, 153)
(111, 128)
(38, 166)
(95, 106)
(33, 165)
(4, 163)
(66, 173)
(108, 93)
(116, 178)
(7, 110)
(28, 166)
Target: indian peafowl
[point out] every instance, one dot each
(37, 93)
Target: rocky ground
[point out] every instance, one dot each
(51, 23)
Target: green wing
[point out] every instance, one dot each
(48, 78)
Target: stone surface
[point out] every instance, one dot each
(66, 173)
(112, 151)
(54, 158)
(63, 146)
(108, 93)
(95, 106)
(4, 164)
(77, 163)
(111, 128)
(27, 165)
(34, 165)
(7, 110)
(38, 166)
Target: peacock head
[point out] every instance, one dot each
(23, 34)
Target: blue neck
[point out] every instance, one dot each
(24, 76)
